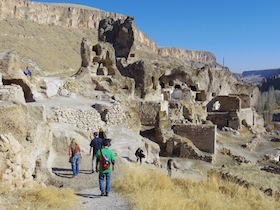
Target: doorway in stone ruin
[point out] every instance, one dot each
(176, 149)
(148, 133)
(26, 90)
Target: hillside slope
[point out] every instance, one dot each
(46, 49)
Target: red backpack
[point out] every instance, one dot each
(104, 160)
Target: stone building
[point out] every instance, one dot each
(233, 111)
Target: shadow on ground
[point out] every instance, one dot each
(88, 195)
(67, 172)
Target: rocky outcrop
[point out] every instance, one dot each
(119, 34)
(188, 55)
(74, 16)
(145, 77)
(15, 163)
(25, 145)
(12, 73)
(65, 15)
(12, 93)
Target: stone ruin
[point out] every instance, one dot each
(177, 96)
(232, 111)
(168, 105)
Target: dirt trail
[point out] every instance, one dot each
(86, 185)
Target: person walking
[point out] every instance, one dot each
(171, 164)
(102, 134)
(139, 155)
(105, 160)
(169, 167)
(75, 152)
(95, 145)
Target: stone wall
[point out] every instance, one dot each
(225, 119)
(245, 100)
(12, 93)
(247, 117)
(15, 163)
(229, 103)
(87, 120)
(202, 136)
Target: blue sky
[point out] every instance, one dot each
(243, 33)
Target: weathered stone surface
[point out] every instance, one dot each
(188, 55)
(64, 15)
(14, 166)
(14, 120)
(12, 73)
(27, 141)
(12, 93)
(86, 52)
(148, 112)
(88, 120)
(146, 79)
(202, 136)
(119, 34)
(140, 89)
(37, 112)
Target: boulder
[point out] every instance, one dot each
(119, 33)
(13, 74)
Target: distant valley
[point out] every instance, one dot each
(256, 76)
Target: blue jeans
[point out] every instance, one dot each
(75, 164)
(106, 176)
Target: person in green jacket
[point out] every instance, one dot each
(105, 160)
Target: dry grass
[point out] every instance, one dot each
(255, 176)
(148, 189)
(39, 198)
(54, 49)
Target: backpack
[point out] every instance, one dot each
(105, 163)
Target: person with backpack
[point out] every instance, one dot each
(139, 155)
(105, 160)
(75, 156)
(102, 134)
(95, 145)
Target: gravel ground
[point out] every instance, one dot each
(86, 185)
(91, 199)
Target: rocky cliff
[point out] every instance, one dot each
(74, 16)
(65, 15)
(117, 87)
(188, 55)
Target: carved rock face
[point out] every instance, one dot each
(12, 74)
(119, 33)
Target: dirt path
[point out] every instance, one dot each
(86, 185)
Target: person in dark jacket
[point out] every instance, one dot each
(171, 164)
(102, 134)
(139, 155)
(169, 167)
(95, 145)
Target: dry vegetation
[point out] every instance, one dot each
(253, 175)
(53, 48)
(38, 198)
(152, 190)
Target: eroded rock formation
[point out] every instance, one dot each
(166, 95)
